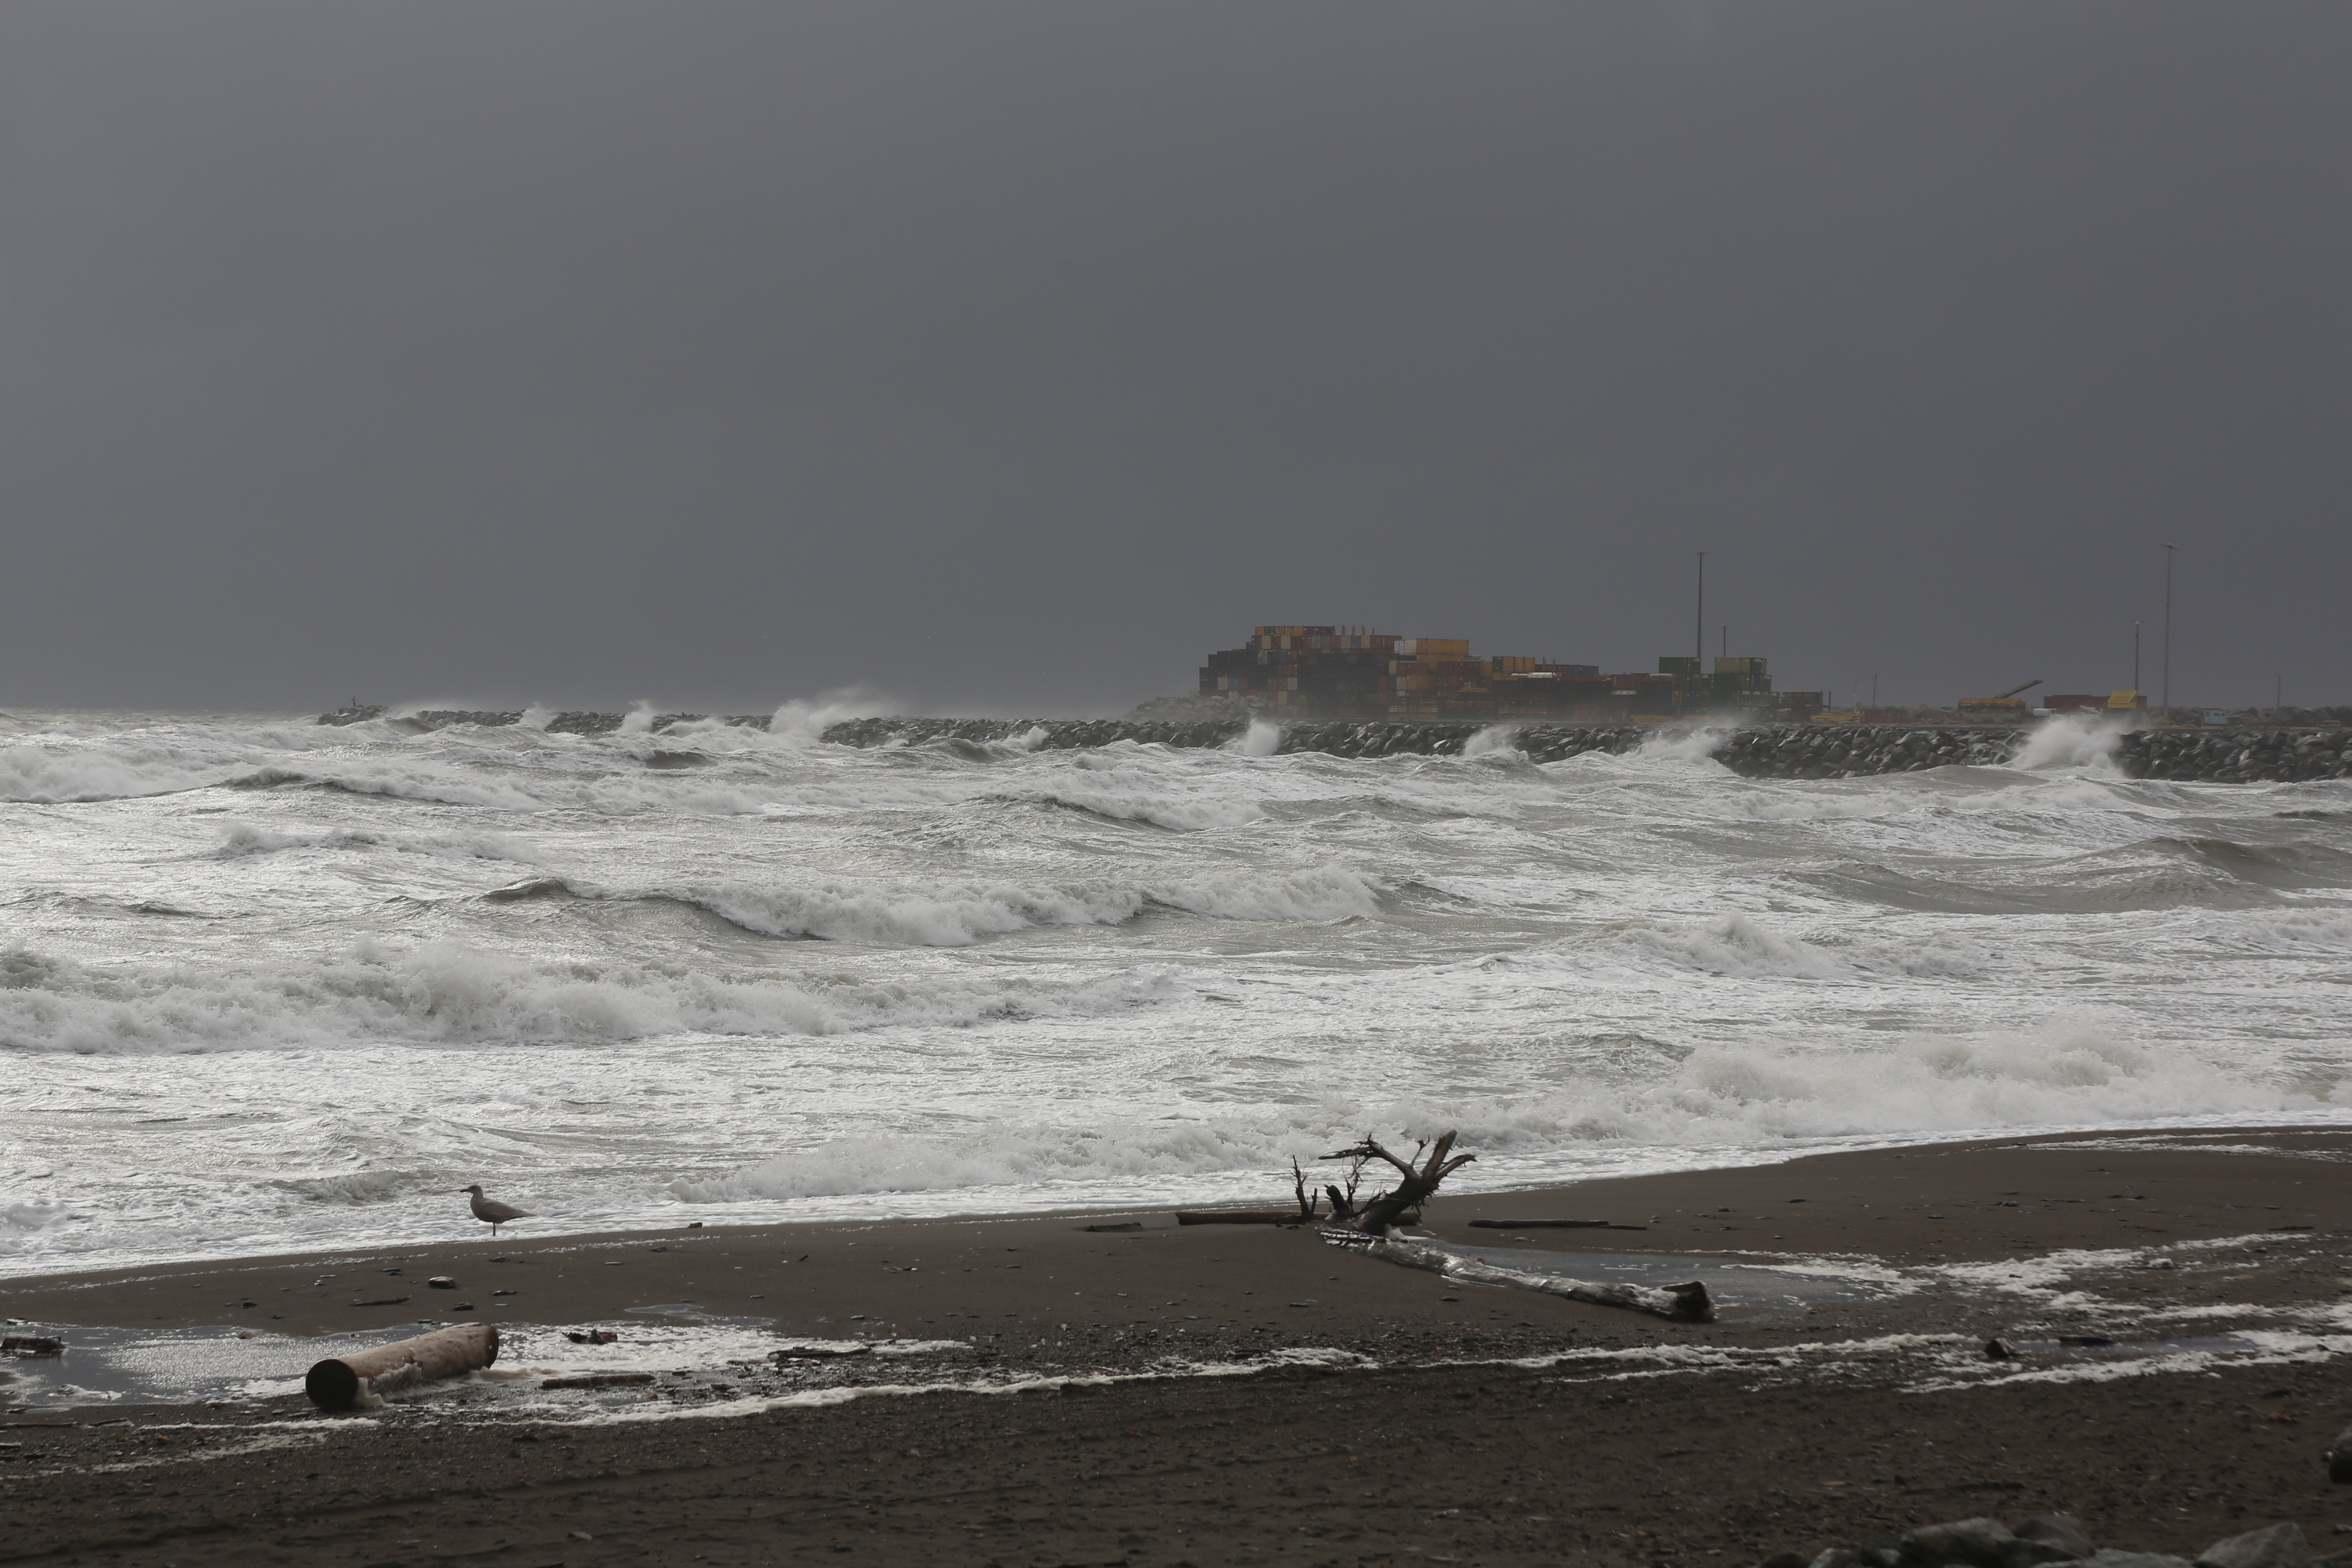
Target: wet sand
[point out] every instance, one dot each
(1422, 1446)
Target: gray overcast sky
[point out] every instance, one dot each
(1013, 353)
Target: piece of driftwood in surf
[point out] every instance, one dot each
(1689, 1303)
(1552, 1225)
(1385, 1210)
(368, 1377)
(598, 1380)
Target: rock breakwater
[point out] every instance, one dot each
(1770, 751)
(568, 723)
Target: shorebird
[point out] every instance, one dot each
(490, 1209)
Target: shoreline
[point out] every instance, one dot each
(1900, 1206)
(2174, 1305)
(1752, 1159)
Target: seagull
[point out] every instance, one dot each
(490, 1209)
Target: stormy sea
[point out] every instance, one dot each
(267, 985)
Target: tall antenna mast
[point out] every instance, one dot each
(2167, 626)
(1699, 629)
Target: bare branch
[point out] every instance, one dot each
(1369, 1150)
(1420, 1175)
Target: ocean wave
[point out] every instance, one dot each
(58, 775)
(1739, 945)
(636, 794)
(241, 840)
(1181, 816)
(1750, 1098)
(957, 914)
(447, 994)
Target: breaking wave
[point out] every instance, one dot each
(952, 914)
(1714, 1099)
(444, 994)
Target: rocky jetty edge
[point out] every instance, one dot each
(1770, 750)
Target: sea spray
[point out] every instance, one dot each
(2077, 741)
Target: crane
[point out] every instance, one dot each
(2006, 700)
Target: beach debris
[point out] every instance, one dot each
(2047, 1538)
(1127, 1224)
(489, 1209)
(591, 1336)
(32, 1345)
(820, 1352)
(441, 1282)
(1999, 1350)
(596, 1380)
(1387, 1209)
(1686, 1303)
(381, 1301)
(1234, 1216)
(366, 1378)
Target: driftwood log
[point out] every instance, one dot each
(1683, 1303)
(598, 1380)
(1389, 1208)
(369, 1377)
(1550, 1225)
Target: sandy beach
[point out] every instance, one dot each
(1217, 1393)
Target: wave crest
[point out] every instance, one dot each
(448, 994)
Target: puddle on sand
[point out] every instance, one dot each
(173, 1366)
(671, 1340)
(1731, 1282)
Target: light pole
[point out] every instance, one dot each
(2135, 659)
(2168, 629)
(1698, 627)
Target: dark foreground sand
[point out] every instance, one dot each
(1779, 1427)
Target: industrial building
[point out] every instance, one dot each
(1352, 672)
